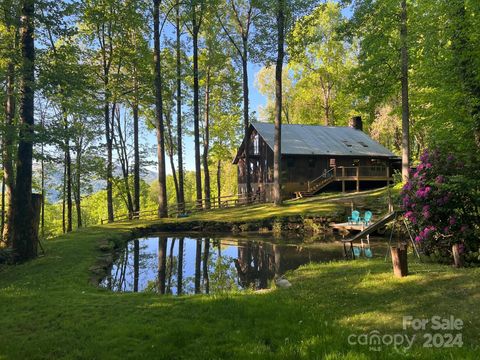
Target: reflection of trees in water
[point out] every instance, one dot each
(214, 271)
(206, 253)
(162, 264)
(181, 254)
(255, 265)
(198, 260)
(125, 272)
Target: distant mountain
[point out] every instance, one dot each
(54, 181)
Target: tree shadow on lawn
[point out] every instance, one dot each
(312, 319)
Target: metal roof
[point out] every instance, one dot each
(322, 140)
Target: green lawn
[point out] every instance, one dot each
(49, 310)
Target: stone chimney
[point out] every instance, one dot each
(356, 123)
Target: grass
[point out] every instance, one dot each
(323, 205)
(49, 310)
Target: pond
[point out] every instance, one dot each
(188, 264)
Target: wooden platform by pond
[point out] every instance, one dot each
(348, 226)
(364, 229)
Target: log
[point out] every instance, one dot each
(399, 260)
(457, 258)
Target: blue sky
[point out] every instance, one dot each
(256, 100)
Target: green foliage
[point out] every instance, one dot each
(443, 42)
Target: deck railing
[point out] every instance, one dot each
(362, 171)
(321, 179)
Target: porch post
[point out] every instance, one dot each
(358, 178)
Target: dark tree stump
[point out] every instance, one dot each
(399, 260)
(457, 258)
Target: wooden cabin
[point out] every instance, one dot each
(314, 158)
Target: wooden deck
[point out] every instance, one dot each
(345, 174)
(348, 226)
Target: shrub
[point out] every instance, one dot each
(441, 202)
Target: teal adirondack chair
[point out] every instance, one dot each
(367, 217)
(355, 218)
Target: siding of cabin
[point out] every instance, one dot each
(297, 170)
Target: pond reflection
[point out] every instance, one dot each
(186, 265)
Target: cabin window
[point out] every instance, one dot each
(311, 162)
(333, 162)
(356, 162)
(256, 145)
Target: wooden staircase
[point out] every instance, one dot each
(316, 185)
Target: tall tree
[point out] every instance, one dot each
(25, 235)
(11, 20)
(197, 9)
(237, 21)
(101, 19)
(159, 124)
(277, 148)
(405, 103)
(178, 54)
(275, 20)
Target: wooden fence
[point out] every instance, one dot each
(188, 208)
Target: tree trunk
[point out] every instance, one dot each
(37, 200)
(277, 148)
(24, 235)
(246, 120)
(8, 151)
(457, 257)
(171, 154)
(68, 173)
(206, 140)
(42, 184)
(399, 260)
(3, 210)
(136, 165)
(77, 187)
(108, 138)
(121, 147)
(64, 199)
(405, 105)
(181, 193)
(219, 183)
(196, 115)
(162, 197)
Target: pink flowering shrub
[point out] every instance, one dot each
(442, 205)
